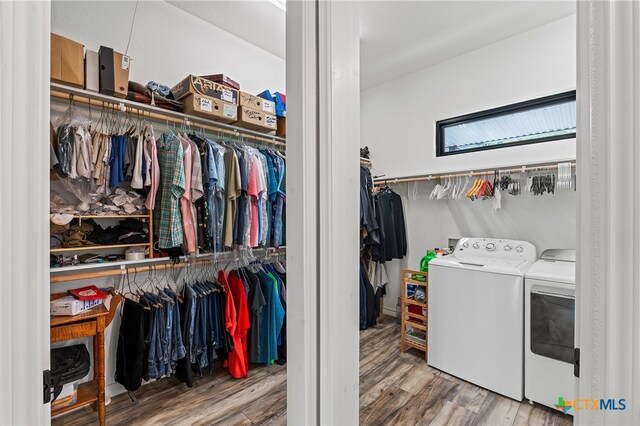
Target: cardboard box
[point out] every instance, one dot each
(282, 127)
(223, 79)
(69, 305)
(256, 120)
(201, 86)
(255, 102)
(67, 61)
(114, 72)
(91, 71)
(215, 109)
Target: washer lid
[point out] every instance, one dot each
(566, 255)
(503, 266)
(549, 268)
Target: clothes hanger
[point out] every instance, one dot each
(174, 289)
(132, 293)
(470, 193)
(434, 191)
(157, 287)
(126, 276)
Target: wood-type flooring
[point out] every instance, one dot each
(395, 389)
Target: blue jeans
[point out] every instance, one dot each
(192, 315)
(168, 332)
(178, 350)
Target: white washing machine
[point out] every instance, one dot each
(476, 313)
(549, 327)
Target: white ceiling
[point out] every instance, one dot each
(259, 22)
(398, 37)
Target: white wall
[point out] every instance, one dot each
(167, 43)
(398, 117)
(398, 124)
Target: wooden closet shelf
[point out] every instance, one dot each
(89, 248)
(111, 216)
(87, 394)
(64, 92)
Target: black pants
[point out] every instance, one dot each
(131, 347)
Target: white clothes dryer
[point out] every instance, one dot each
(549, 327)
(476, 313)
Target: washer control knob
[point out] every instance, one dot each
(476, 245)
(465, 245)
(491, 246)
(507, 248)
(519, 249)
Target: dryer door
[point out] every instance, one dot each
(552, 323)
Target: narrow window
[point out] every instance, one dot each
(539, 120)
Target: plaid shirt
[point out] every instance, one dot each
(167, 219)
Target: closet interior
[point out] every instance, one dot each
(168, 211)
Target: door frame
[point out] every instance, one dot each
(24, 210)
(323, 141)
(608, 158)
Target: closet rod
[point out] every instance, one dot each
(484, 172)
(99, 100)
(268, 254)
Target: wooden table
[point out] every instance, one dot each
(88, 324)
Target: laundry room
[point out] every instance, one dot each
(468, 118)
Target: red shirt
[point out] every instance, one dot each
(230, 314)
(239, 358)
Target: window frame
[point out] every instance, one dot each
(500, 111)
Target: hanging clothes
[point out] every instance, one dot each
(131, 346)
(202, 204)
(197, 187)
(382, 238)
(390, 214)
(167, 216)
(233, 192)
(188, 225)
(257, 303)
(239, 358)
(219, 197)
(368, 316)
(369, 228)
(272, 319)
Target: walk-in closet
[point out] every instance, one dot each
(168, 214)
(319, 212)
